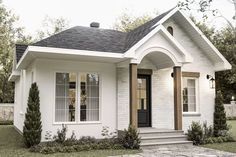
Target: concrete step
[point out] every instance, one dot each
(154, 137)
(153, 144)
(151, 133)
(172, 138)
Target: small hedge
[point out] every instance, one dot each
(231, 118)
(6, 122)
(203, 134)
(59, 143)
(80, 145)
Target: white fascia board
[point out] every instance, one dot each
(187, 57)
(226, 64)
(131, 52)
(221, 66)
(74, 52)
(35, 49)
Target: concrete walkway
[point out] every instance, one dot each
(181, 151)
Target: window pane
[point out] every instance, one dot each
(65, 97)
(89, 97)
(189, 95)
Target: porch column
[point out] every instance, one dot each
(177, 98)
(133, 94)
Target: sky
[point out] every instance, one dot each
(83, 12)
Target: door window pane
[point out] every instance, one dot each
(65, 97)
(142, 94)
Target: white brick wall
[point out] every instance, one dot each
(162, 87)
(201, 64)
(123, 98)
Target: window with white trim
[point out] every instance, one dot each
(65, 97)
(189, 93)
(70, 109)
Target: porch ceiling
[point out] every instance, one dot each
(160, 60)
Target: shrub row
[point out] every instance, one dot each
(202, 134)
(54, 147)
(59, 143)
(6, 122)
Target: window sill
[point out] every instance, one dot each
(191, 114)
(77, 123)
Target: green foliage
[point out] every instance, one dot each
(6, 122)
(231, 118)
(130, 138)
(64, 145)
(107, 134)
(220, 124)
(225, 42)
(32, 125)
(195, 133)
(126, 22)
(61, 134)
(202, 134)
(51, 26)
(7, 37)
(207, 131)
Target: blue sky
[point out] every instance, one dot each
(83, 12)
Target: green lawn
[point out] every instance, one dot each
(232, 123)
(11, 146)
(228, 146)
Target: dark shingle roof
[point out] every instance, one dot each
(86, 38)
(95, 39)
(20, 49)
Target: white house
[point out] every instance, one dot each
(153, 76)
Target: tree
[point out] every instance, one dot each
(51, 26)
(220, 124)
(32, 125)
(126, 23)
(205, 6)
(224, 40)
(7, 37)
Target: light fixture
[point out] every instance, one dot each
(211, 81)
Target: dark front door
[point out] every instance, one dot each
(144, 101)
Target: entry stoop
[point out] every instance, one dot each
(154, 137)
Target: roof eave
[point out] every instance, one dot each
(14, 76)
(33, 52)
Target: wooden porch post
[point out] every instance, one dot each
(177, 98)
(133, 94)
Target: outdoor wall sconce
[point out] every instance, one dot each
(211, 81)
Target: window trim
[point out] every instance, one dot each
(197, 112)
(77, 101)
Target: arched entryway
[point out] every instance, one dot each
(161, 58)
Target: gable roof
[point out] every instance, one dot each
(95, 39)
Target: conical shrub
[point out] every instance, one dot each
(32, 125)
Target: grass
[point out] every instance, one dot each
(232, 123)
(228, 146)
(11, 146)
